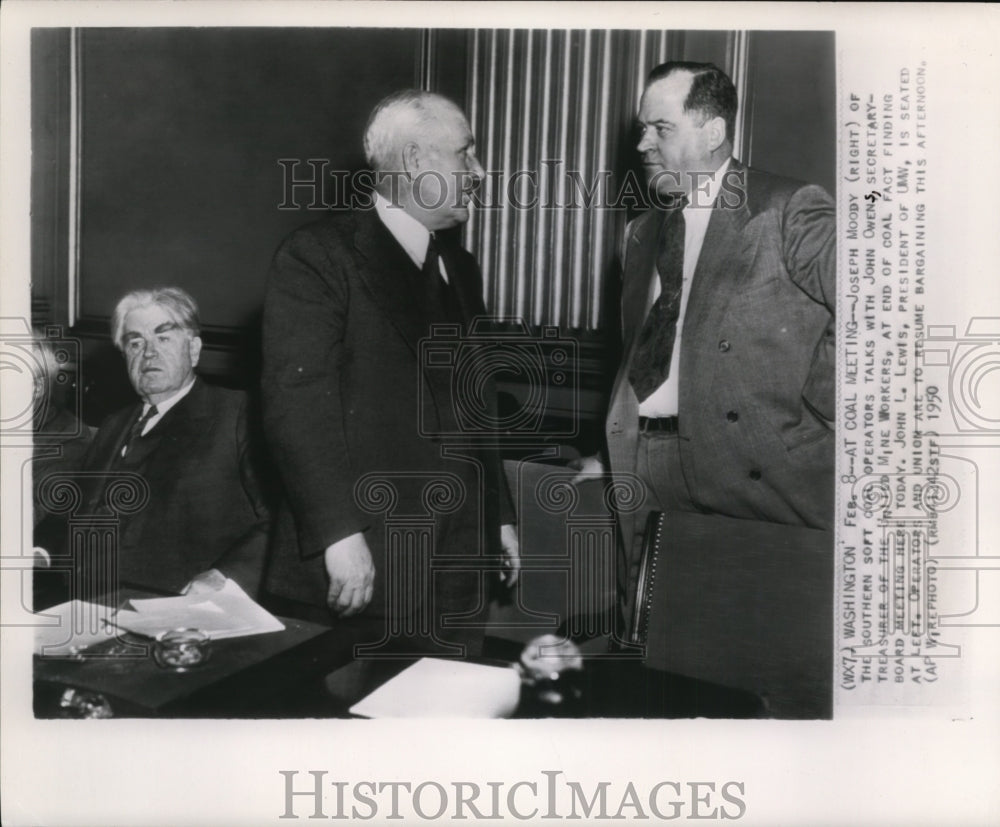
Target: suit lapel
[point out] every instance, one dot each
(640, 256)
(722, 264)
(120, 430)
(176, 427)
(390, 276)
(721, 267)
(463, 283)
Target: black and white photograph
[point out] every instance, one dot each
(419, 415)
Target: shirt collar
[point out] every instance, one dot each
(708, 189)
(410, 233)
(167, 404)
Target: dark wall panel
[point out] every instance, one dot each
(50, 95)
(183, 131)
(793, 112)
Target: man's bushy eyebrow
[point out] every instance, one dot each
(160, 328)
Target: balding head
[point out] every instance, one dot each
(401, 117)
(421, 148)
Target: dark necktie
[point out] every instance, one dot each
(432, 269)
(437, 292)
(136, 430)
(651, 360)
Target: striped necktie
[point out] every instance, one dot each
(136, 430)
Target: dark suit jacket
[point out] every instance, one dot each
(205, 507)
(758, 341)
(344, 397)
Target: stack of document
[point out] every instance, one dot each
(228, 612)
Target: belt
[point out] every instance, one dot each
(659, 424)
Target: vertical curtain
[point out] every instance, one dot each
(552, 111)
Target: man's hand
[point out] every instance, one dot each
(205, 583)
(352, 575)
(511, 555)
(589, 468)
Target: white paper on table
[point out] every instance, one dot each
(228, 612)
(81, 624)
(436, 688)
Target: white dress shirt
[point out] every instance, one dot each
(664, 400)
(410, 233)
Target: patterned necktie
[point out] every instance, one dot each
(651, 360)
(136, 430)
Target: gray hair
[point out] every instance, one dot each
(398, 117)
(178, 303)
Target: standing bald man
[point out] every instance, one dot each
(347, 404)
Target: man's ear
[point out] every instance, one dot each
(195, 350)
(716, 128)
(411, 159)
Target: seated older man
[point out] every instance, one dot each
(205, 517)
